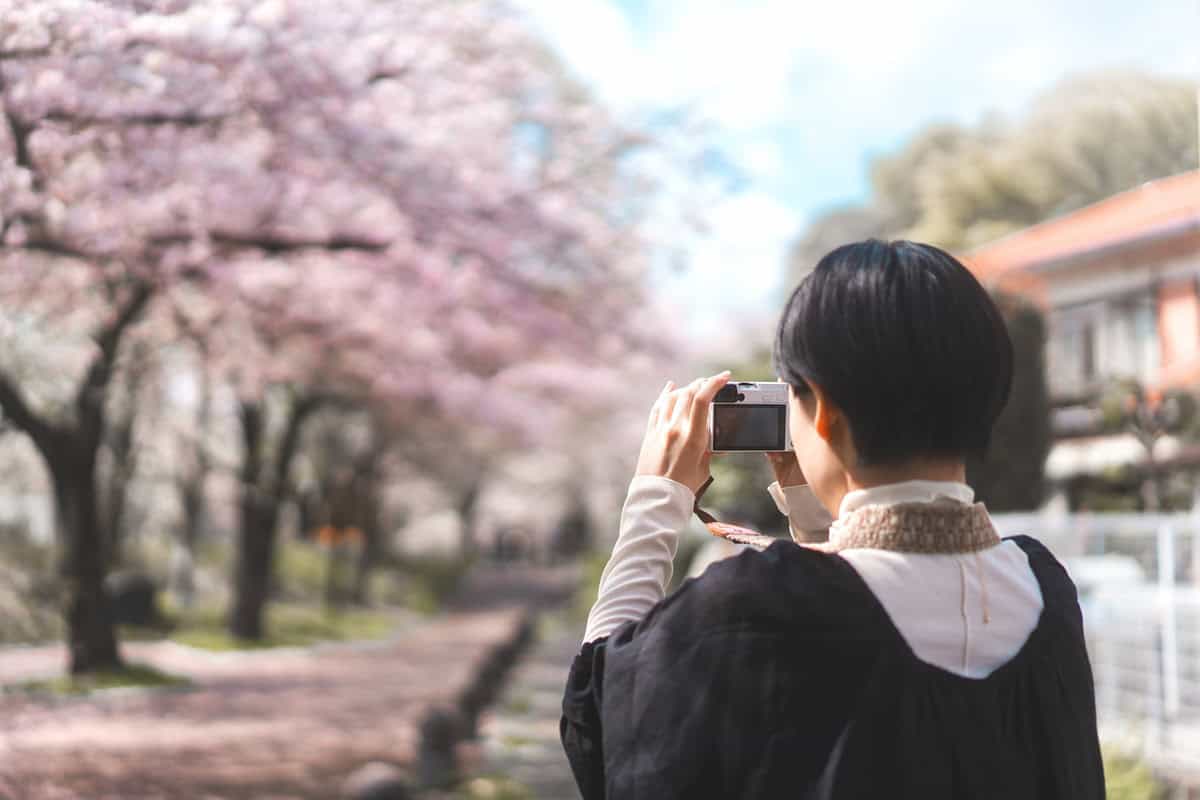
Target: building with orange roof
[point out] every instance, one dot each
(1120, 283)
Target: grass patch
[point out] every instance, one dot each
(514, 742)
(1128, 778)
(131, 676)
(301, 569)
(493, 787)
(519, 704)
(287, 626)
(589, 584)
(425, 582)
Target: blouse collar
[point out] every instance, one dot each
(890, 494)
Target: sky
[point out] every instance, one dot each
(798, 96)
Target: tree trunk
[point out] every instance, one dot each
(91, 637)
(117, 494)
(468, 505)
(367, 557)
(255, 563)
(70, 454)
(370, 520)
(263, 488)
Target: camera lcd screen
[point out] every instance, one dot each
(748, 426)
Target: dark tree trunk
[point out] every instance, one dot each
(91, 637)
(368, 557)
(192, 499)
(372, 544)
(370, 510)
(253, 567)
(121, 468)
(255, 563)
(70, 453)
(468, 505)
(263, 487)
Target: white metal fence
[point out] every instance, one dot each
(1139, 585)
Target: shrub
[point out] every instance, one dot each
(1128, 778)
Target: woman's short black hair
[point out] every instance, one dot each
(905, 340)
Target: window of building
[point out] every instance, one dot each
(1098, 342)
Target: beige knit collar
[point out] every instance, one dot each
(942, 526)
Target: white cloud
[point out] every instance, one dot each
(762, 157)
(734, 270)
(597, 41)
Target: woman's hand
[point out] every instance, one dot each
(676, 443)
(786, 468)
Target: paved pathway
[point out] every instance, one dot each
(520, 734)
(267, 724)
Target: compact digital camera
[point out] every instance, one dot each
(750, 416)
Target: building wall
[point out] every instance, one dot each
(1133, 316)
(1179, 330)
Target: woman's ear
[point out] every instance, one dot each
(827, 417)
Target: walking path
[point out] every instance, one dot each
(520, 736)
(285, 723)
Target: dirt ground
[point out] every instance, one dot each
(266, 724)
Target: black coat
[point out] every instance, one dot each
(778, 674)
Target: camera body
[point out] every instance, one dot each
(750, 416)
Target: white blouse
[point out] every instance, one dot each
(966, 613)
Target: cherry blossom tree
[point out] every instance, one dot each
(406, 204)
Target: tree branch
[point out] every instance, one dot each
(48, 246)
(302, 408)
(89, 401)
(19, 131)
(18, 413)
(185, 119)
(19, 53)
(272, 243)
(276, 244)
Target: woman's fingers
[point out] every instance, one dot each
(667, 412)
(686, 408)
(657, 408)
(684, 403)
(676, 442)
(704, 396)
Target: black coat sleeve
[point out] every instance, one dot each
(702, 695)
(579, 727)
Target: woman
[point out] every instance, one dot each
(913, 654)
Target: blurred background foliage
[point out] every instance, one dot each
(1085, 139)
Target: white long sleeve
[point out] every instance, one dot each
(808, 520)
(656, 511)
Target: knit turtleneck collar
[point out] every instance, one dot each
(909, 516)
(940, 526)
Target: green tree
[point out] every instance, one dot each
(1010, 476)
(1127, 406)
(1085, 139)
(1082, 141)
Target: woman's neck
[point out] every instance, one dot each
(916, 470)
(922, 470)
